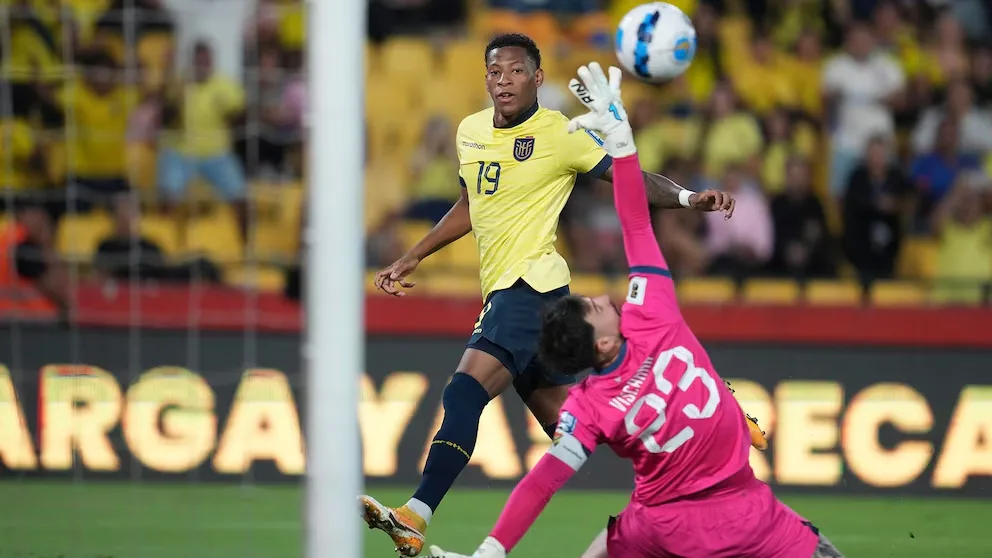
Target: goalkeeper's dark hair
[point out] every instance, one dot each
(568, 341)
(515, 40)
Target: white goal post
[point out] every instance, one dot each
(335, 332)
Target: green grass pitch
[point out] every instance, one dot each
(121, 520)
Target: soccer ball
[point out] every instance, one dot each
(656, 42)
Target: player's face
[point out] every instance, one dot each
(604, 317)
(512, 80)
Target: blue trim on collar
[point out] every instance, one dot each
(612, 367)
(521, 118)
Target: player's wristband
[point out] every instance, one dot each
(684, 197)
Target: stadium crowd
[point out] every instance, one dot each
(855, 134)
(130, 152)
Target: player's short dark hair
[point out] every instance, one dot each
(515, 40)
(568, 341)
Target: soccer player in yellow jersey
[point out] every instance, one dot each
(518, 167)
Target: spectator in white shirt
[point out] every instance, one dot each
(860, 86)
(975, 125)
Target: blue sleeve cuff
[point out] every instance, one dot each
(600, 167)
(650, 270)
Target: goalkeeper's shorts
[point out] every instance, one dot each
(748, 522)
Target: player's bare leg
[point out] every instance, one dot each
(826, 549)
(480, 377)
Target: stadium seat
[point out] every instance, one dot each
(463, 255)
(410, 60)
(372, 59)
(834, 293)
(161, 230)
(589, 285)
(216, 237)
(385, 192)
(706, 291)
(898, 293)
(462, 57)
(453, 98)
(275, 231)
(79, 236)
(581, 56)
(265, 278)
(542, 27)
(410, 234)
(591, 27)
(771, 291)
(271, 242)
(266, 199)
(918, 258)
(493, 22)
(453, 285)
(291, 205)
(141, 165)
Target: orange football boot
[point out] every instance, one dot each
(758, 439)
(401, 524)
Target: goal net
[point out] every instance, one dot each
(151, 377)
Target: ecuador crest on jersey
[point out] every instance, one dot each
(523, 148)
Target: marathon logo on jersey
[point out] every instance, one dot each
(523, 148)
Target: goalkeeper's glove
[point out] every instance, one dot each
(438, 552)
(606, 113)
(490, 548)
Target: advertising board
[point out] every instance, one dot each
(209, 405)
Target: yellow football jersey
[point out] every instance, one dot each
(518, 179)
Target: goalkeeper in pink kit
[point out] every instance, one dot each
(654, 398)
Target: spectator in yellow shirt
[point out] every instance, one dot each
(97, 109)
(785, 140)
(205, 115)
(805, 69)
(730, 136)
(762, 79)
(435, 170)
(32, 56)
(964, 260)
(20, 158)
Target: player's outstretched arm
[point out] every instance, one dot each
(608, 117)
(664, 193)
(455, 224)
